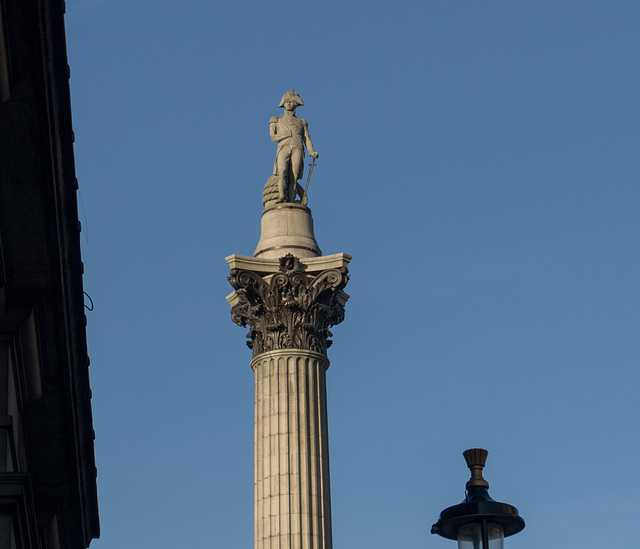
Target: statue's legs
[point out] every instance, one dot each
(283, 162)
(290, 165)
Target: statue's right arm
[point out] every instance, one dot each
(273, 131)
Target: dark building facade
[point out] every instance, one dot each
(48, 496)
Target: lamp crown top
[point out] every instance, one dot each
(476, 459)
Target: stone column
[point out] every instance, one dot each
(292, 498)
(289, 307)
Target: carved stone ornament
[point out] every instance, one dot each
(290, 309)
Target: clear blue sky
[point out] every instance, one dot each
(480, 162)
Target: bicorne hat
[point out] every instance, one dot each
(293, 96)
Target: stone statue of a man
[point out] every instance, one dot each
(291, 134)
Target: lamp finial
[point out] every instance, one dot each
(476, 458)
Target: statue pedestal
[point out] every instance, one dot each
(287, 228)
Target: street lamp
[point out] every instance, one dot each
(478, 522)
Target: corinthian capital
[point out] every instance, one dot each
(290, 309)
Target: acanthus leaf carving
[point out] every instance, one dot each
(290, 309)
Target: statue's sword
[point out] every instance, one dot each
(304, 194)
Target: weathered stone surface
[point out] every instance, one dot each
(290, 309)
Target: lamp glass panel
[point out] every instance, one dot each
(470, 536)
(496, 536)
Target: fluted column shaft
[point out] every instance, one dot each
(292, 497)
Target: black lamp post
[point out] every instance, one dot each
(478, 522)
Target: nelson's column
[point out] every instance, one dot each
(289, 295)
